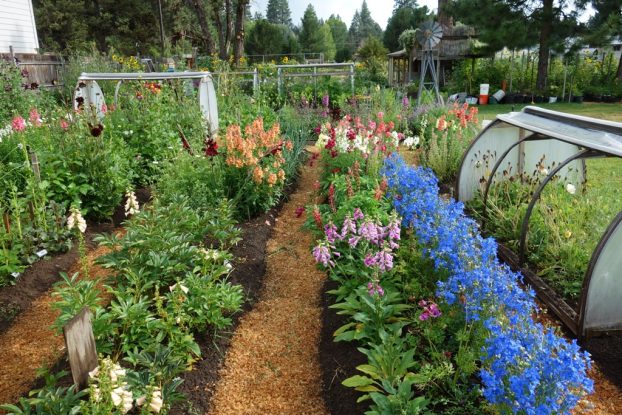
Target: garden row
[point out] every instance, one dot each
(170, 267)
(444, 327)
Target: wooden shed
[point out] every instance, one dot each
(458, 42)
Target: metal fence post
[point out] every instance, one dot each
(352, 77)
(279, 81)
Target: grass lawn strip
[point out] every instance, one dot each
(272, 366)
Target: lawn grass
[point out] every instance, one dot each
(612, 112)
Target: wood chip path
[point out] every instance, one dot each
(29, 343)
(272, 366)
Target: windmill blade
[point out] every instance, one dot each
(429, 34)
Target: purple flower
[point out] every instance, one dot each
(358, 214)
(353, 241)
(393, 230)
(331, 233)
(370, 260)
(321, 253)
(405, 101)
(349, 226)
(373, 288)
(325, 100)
(434, 310)
(384, 260)
(370, 231)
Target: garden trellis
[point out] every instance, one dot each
(315, 70)
(88, 89)
(519, 141)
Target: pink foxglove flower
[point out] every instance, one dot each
(34, 117)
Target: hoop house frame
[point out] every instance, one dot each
(519, 140)
(89, 90)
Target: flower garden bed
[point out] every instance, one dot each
(441, 322)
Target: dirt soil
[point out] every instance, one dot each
(339, 361)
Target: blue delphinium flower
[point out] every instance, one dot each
(526, 368)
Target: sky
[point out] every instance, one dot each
(381, 10)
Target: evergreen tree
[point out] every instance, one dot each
(328, 44)
(278, 12)
(605, 25)
(520, 23)
(404, 17)
(339, 31)
(363, 26)
(310, 37)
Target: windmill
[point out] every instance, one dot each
(429, 36)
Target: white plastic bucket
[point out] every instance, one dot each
(499, 95)
(484, 88)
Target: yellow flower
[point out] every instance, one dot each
(567, 234)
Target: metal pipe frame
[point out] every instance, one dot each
(496, 167)
(583, 154)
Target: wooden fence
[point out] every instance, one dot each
(44, 70)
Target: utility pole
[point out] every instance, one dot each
(161, 27)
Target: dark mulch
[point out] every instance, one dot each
(339, 361)
(249, 270)
(40, 276)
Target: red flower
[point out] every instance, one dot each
(300, 211)
(211, 147)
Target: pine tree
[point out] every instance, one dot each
(363, 26)
(520, 23)
(310, 37)
(409, 16)
(339, 31)
(278, 12)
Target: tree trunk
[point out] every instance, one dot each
(238, 46)
(546, 28)
(216, 8)
(229, 32)
(619, 73)
(205, 29)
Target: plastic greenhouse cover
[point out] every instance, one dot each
(586, 132)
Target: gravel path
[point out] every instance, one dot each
(272, 366)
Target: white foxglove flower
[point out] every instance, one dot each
(182, 287)
(411, 141)
(570, 188)
(93, 373)
(141, 400)
(127, 401)
(96, 394)
(131, 205)
(156, 401)
(75, 219)
(117, 396)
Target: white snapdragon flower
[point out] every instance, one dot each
(322, 140)
(117, 396)
(411, 142)
(182, 287)
(570, 188)
(75, 219)
(131, 205)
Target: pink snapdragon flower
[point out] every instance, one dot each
(35, 118)
(18, 124)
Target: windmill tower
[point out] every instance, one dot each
(429, 36)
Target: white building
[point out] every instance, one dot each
(17, 27)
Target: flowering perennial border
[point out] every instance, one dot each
(525, 367)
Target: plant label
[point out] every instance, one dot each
(15, 275)
(42, 253)
(80, 344)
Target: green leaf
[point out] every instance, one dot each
(357, 381)
(369, 370)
